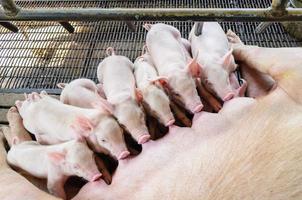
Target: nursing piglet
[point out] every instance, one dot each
(53, 122)
(210, 47)
(155, 99)
(85, 93)
(82, 93)
(55, 162)
(175, 71)
(116, 74)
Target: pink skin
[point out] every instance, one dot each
(81, 93)
(85, 93)
(170, 58)
(55, 162)
(212, 51)
(47, 118)
(115, 73)
(147, 162)
(155, 101)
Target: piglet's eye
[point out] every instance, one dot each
(103, 140)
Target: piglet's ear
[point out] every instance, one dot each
(228, 61)
(104, 105)
(138, 95)
(194, 68)
(161, 80)
(56, 157)
(82, 126)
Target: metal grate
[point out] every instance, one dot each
(44, 54)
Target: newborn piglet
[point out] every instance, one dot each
(154, 99)
(210, 47)
(115, 73)
(175, 68)
(53, 122)
(55, 162)
(82, 93)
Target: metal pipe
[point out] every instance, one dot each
(279, 5)
(172, 14)
(10, 7)
(9, 26)
(67, 26)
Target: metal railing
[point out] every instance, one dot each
(277, 12)
(43, 54)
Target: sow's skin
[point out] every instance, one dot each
(210, 47)
(155, 99)
(53, 122)
(251, 149)
(55, 162)
(115, 73)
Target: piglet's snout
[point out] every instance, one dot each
(95, 177)
(196, 107)
(142, 136)
(123, 155)
(229, 96)
(170, 122)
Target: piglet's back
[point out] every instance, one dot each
(116, 74)
(27, 155)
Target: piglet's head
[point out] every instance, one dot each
(130, 115)
(158, 104)
(76, 159)
(31, 98)
(216, 76)
(182, 86)
(110, 136)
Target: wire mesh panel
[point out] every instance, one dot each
(43, 54)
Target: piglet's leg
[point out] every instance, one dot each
(55, 182)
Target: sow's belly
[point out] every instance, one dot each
(175, 161)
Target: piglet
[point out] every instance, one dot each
(53, 122)
(155, 99)
(85, 93)
(171, 59)
(82, 93)
(55, 162)
(115, 72)
(210, 47)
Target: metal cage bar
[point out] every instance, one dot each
(277, 12)
(172, 14)
(43, 54)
